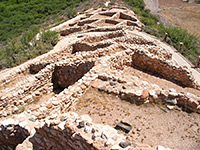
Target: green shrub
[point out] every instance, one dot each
(19, 51)
(18, 17)
(136, 3)
(49, 37)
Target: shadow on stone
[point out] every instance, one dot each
(78, 47)
(11, 136)
(52, 137)
(35, 68)
(66, 75)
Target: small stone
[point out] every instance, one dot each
(81, 124)
(124, 144)
(173, 94)
(50, 105)
(172, 90)
(15, 94)
(170, 107)
(93, 130)
(103, 136)
(37, 93)
(83, 87)
(103, 88)
(138, 93)
(155, 97)
(16, 109)
(95, 84)
(62, 125)
(32, 119)
(55, 103)
(171, 100)
(193, 103)
(155, 86)
(145, 94)
(112, 83)
(87, 129)
(3, 97)
(165, 92)
(152, 92)
(5, 104)
(145, 83)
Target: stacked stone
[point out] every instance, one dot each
(167, 68)
(30, 89)
(11, 135)
(134, 90)
(26, 91)
(66, 131)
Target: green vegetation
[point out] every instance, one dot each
(176, 34)
(18, 51)
(18, 16)
(197, 1)
(22, 20)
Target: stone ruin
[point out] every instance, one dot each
(94, 49)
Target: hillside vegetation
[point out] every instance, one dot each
(18, 16)
(21, 20)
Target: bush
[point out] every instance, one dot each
(19, 51)
(136, 3)
(50, 37)
(18, 17)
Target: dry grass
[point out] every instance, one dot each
(188, 18)
(174, 3)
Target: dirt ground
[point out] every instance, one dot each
(152, 124)
(175, 3)
(177, 12)
(163, 83)
(188, 18)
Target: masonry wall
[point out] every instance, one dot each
(53, 137)
(11, 136)
(165, 68)
(64, 76)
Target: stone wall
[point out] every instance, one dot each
(64, 76)
(36, 67)
(127, 17)
(134, 90)
(12, 135)
(53, 137)
(98, 38)
(67, 132)
(166, 68)
(70, 30)
(77, 47)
